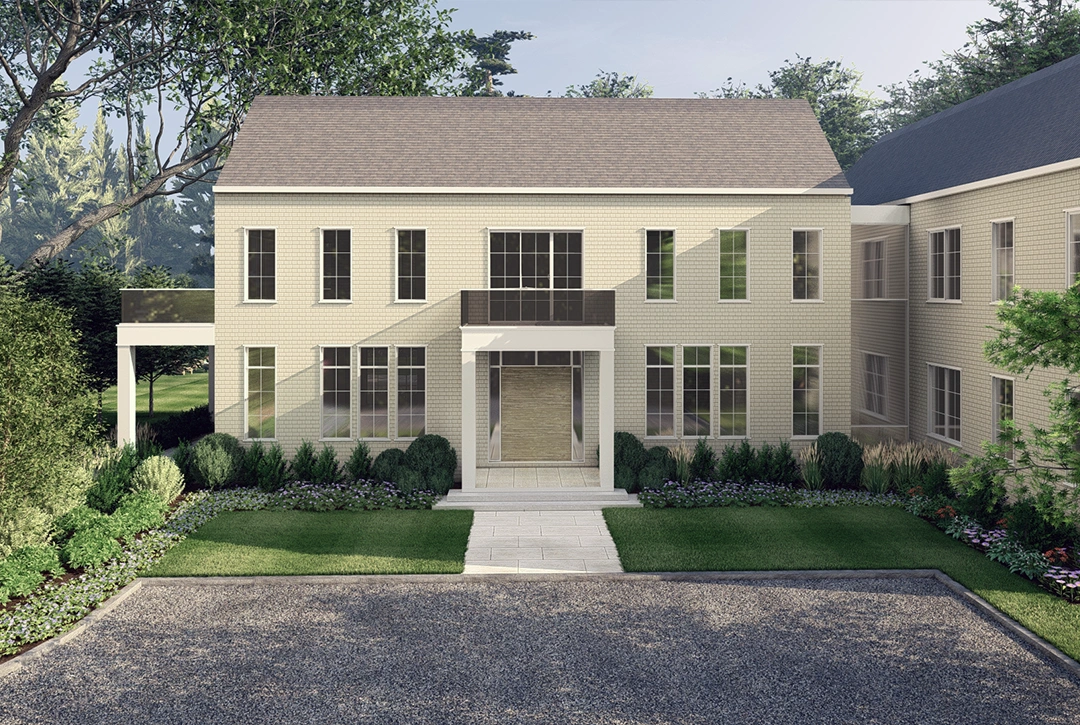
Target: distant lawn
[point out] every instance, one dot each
(273, 543)
(843, 537)
(172, 394)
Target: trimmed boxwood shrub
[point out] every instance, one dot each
(387, 464)
(435, 460)
(159, 475)
(841, 461)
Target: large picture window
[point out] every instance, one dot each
(874, 269)
(1002, 234)
(944, 407)
(261, 265)
(336, 393)
(945, 264)
(731, 375)
(660, 391)
(337, 265)
(659, 265)
(535, 276)
(373, 417)
(412, 265)
(806, 265)
(697, 391)
(261, 402)
(733, 264)
(411, 392)
(806, 390)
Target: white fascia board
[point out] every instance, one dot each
(612, 190)
(475, 338)
(993, 181)
(880, 215)
(165, 333)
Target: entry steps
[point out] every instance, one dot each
(538, 499)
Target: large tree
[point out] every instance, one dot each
(203, 61)
(491, 58)
(611, 85)
(1027, 35)
(846, 112)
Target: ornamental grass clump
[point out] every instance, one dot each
(811, 467)
(682, 457)
(877, 466)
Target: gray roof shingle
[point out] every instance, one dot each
(1031, 122)
(307, 141)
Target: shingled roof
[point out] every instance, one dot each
(1031, 122)
(530, 143)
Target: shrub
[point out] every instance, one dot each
(270, 472)
(782, 467)
(249, 465)
(682, 456)
(934, 480)
(182, 458)
(302, 465)
(387, 463)
(435, 460)
(980, 488)
(652, 475)
(841, 460)
(159, 475)
(90, 547)
(358, 467)
(326, 470)
(1044, 519)
(80, 518)
(215, 461)
(409, 481)
(704, 462)
(138, 512)
(113, 479)
(629, 452)
(626, 478)
(185, 426)
(21, 573)
(738, 463)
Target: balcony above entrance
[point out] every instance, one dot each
(556, 307)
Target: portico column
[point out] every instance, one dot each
(468, 420)
(210, 380)
(125, 395)
(607, 419)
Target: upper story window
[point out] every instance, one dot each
(337, 265)
(733, 264)
(874, 270)
(1072, 223)
(806, 264)
(659, 265)
(945, 264)
(1002, 234)
(412, 265)
(535, 276)
(261, 265)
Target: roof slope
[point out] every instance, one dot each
(308, 141)
(1031, 122)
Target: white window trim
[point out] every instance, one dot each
(993, 406)
(397, 281)
(1070, 274)
(389, 395)
(821, 391)
(712, 388)
(717, 367)
(247, 412)
(884, 269)
(675, 389)
(244, 266)
(322, 379)
(352, 256)
(930, 409)
(719, 299)
(994, 258)
(930, 299)
(427, 390)
(674, 264)
(863, 409)
(821, 264)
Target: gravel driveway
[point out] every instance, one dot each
(591, 650)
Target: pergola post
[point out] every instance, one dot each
(125, 395)
(468, 420)
(607, 419)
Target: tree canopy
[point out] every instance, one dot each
(611, 85)
(491, 55)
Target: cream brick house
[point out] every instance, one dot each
(527, 276)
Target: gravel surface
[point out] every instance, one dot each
(592, 650)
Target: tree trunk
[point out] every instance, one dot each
(151, 396)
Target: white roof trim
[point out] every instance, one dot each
(521, 190)
(880, 214)
(993, 181)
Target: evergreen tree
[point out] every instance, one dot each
(492, 58)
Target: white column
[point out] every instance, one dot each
(125, 394)
(210, 382)
(468, 420)
(607, 419)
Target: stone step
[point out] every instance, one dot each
(553, 499)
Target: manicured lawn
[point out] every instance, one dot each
(843, 537)
(252, 543)
(172, 394)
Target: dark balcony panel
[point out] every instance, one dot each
(166, 305)
(538, 307)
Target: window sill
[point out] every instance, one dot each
(259, 440)
(335, 302)
(659, 302)
(807, 302)
(934, 301)
(805, 438)
(372, 440)
(335, 440)
(943, 439)
(733, 438)
(260, 302)
(876, 416)
(661, 438)
(410, 302)
(733, 302)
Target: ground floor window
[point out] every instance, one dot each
(944, 405)
(660, 391)
(731, 374)
(806, 390)
(874, 376)
(411, 391)
(1003, 407)
(260, 394)
(374, 404)
(697, 391)
(336, 393)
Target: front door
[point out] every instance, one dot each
(536, 413)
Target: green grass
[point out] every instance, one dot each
(172, 394)
(272, 543)
(844, 537)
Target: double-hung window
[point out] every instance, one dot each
(874, 375)
(411, 391)
(731, 377)
(945, 264)
(412, 265)
(806, 264)
(336, 393)
(660, 391)
(806, 390)
(1003, 408)
(697, 391)
(336, 265)
(944, 407)
(373, 416)
(261, 375)
(659, 264)
(1002, 235)
(1072, 232)
(732, 264)
(874, 269)
(261, 265)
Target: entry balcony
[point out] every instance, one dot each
(556, 307)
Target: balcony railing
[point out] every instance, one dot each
(538, 307)
(167, 305)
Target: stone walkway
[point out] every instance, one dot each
(540, 542)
